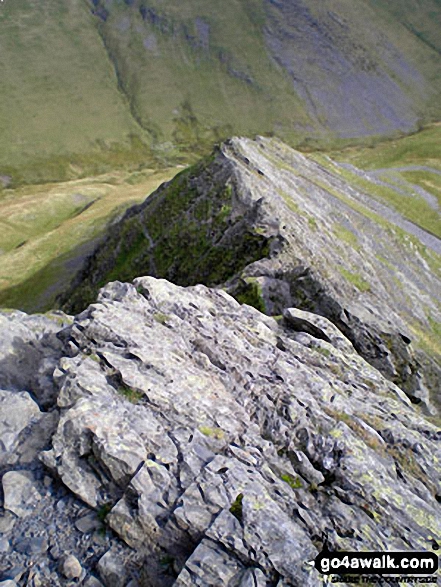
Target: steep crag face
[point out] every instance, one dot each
(220, 445)
(278, 230)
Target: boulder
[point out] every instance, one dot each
(20, 493)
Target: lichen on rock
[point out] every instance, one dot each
(255, 442)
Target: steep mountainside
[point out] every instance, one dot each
(278, 230)
(170, 436)
(88, 85)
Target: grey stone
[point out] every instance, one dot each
(318, 326)
(71, 567)
(14, 573)
(20, 493)
(4, 544)
(7, 521)
(92, 582)
(112, 570)
(29, 350)
(210, 566)
(36, 545)
(17, 411)
(38, 437)
(55, 552)
(253, 578)
(88, 523)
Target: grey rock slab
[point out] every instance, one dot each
(14, 573)
(36, 545)
(318, 327)
(293, 233)
(237, 431)
(37, 438)
(111, 570)
(17, 411)
(253, 578)
(29, 351)
(88, 523)
(209, 566)
(92, 582)
(21, 495)
(223, 441)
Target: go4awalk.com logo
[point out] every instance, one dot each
(378, 563)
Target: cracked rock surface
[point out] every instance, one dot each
(280, 231)
(195, 441)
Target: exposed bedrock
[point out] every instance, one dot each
(198, 441)
(277, 230)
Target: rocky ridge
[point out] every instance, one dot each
(277, 230)
(219, 445)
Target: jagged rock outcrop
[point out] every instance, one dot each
(168, 83)
(221, 446)
(281, 231)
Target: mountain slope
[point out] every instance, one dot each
(278, 230)
(88, 85)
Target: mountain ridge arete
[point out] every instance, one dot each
(220, 292)
(276, 229)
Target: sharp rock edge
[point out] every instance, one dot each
(171, 436)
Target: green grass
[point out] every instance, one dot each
(429, 181)
(81, 96)
(47, 228)
(355, 278)
(312, 223)
(346, 235)
(429, 338)
(161, 318)
(217, 433)
(60, 96)
(236, 507)
(103, 511)
(251, 294)
(132, 395)
(414, 208)
(421, 148)
(289, 201)
(293, 482)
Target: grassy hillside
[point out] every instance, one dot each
(48, 230)
(88, 86)
(59, 91)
